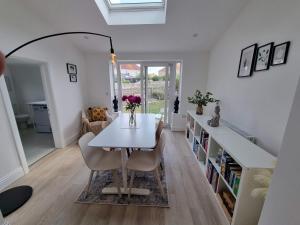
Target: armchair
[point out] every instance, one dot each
(95, 125)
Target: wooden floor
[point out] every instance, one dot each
(59, 178)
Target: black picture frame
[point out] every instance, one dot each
(276, 59)
(264, 57)
(71, 68)
(247, 57)
(73, 78)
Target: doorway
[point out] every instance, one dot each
(157, 83)
(25, 86)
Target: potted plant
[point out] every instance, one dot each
(201, 100)
(132, 102)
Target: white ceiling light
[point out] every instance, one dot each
(130, 12)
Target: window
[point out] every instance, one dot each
(127, 12)
(134, 1)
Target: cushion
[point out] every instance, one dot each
(98, 114)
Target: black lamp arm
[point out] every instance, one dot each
(61, 34)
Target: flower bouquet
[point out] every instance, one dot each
(132, 102)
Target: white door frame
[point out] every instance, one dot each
(10, 112)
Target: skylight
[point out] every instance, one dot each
(134, 4)
(134, 1)
(129, 12)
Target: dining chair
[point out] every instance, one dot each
(159, 129)
(147, 161)
(97, 159)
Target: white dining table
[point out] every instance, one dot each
(119, 135)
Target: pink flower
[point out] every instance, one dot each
(124, 98)
(138, 100)
(131, 99)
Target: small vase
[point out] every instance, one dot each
(132, 119)
(199, 110)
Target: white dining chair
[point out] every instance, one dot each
(147, 161)
(159, 130)
(97, 159)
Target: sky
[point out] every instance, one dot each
(154, 69)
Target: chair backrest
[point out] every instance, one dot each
(160, 148)
(159, 129)
(86, 151)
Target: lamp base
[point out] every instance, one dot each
(14, 198)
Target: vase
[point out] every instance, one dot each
(199, 110)
(132, 119)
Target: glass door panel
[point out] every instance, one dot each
(130, 82)
(157, 84)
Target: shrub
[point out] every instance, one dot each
(155, 78)
(158, 95)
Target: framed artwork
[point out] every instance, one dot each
(71, 68)
(247, 61)
(264, 56)
(73, 77)
(280, 53)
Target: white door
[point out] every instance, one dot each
(155, 83)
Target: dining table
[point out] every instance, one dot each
(120, 135)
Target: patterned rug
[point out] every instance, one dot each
(141, 180)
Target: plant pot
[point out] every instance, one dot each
(199, 110)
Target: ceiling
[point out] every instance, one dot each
(207, 18)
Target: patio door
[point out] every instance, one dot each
(153, 82)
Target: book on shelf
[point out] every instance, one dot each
(214, 179)
(203, 135)
(236, 184)
(231, 171)
(187, 133)
(205, 144)
(212, 176)
(228, 201)
(219, 156)
(209, 171)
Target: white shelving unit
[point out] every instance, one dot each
(249, 158)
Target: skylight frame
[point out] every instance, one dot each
(135, 6)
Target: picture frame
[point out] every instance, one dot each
(247, 61)
(280, 53)
(264, 57)
(73, 78)
(71, 68)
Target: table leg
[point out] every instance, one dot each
(124, 170)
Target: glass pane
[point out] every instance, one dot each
(178, 78)
(131, 81)
(134, 1)
(156, 89)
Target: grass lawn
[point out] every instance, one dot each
(156, 106)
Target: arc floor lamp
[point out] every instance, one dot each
(14, 198)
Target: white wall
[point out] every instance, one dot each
(260, 105)
(194, 68)
(18, 24)
(282, 203)
(27, 85)
(98, 83)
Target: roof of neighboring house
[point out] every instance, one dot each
(130, 67)
(164, 69)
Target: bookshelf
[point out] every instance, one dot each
(229, 162)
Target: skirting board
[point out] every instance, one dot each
(11, 177)
(71, 139)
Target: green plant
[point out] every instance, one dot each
(200, 99)
(158, 95)
(155, 78)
